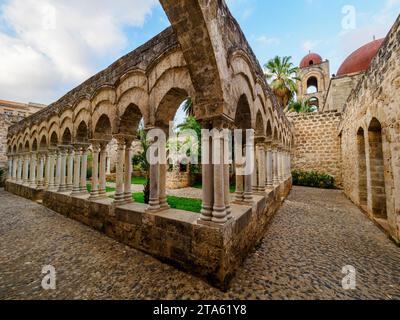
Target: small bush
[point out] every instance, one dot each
(313, 179)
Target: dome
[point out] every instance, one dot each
(360, 59)
(310, 60)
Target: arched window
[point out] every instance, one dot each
(312, 85)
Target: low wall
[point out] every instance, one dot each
(175, 236)
(24, 191)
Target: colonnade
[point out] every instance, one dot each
(64, 169)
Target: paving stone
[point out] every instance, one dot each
(314, 235)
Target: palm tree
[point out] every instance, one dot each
(188, 107)
(300, 106)
(282, 76)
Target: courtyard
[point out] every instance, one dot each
(311, 238)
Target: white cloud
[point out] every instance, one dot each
(309, 45)
(57, 42)
(264, 40)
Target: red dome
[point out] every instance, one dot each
(360, 59)
(310, 60)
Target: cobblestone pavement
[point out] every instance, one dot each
(311, 238)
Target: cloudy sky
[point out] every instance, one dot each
(47, 47)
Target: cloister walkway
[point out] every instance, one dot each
(313, 236)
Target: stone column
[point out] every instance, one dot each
(154, 202)
(77, 169)
(261, 166)
(94, 193)
(163, 177)
(47, 160)
(108, 165)
(70, 169)
(32, 171)
(58, 165)
(208, 178)
(40, 179)
(19, 173)
(119, 193)
(239, 184)
(83, 180)
(219, 214)
(102, 170)
(280, 164)
(248, 179)
(26, 169)
(15, 168)
(255, 171)
(227, 185)
(128, 170)
(275, 165)
(51, 161)
(270, 174)
(9, 167)
(63, 169)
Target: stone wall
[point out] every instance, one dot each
(317, 143)
(339, 90)
(371, 138)
(177, 179)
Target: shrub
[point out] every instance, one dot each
(313, 179)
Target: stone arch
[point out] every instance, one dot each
(377, 173)
(198, 54)
(174, 82)
(362, 169)
(102, 128)
(43, 142)
(136, 97)
(259, 127)
(104, 110)
(269, 130)
(66, 137)
(129, 120)
(82, 132)
(53, 142)
(243, 113)
(312, 85)
(168, 106)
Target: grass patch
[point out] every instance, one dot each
(186, 204)
(139, 180)
(89, 188)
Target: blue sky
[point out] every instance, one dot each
(49, 46)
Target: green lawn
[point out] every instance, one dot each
(191, 205)
(139, 180)
(89, 188)
(186, 204)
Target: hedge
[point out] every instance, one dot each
(313, 179)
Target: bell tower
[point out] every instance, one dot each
(314, 80)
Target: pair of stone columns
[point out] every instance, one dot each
(78, 169)
(216, 185)
(123, 193)
(99, 152)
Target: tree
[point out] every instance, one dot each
(188, 107)
(282, 76)
(300, 106)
